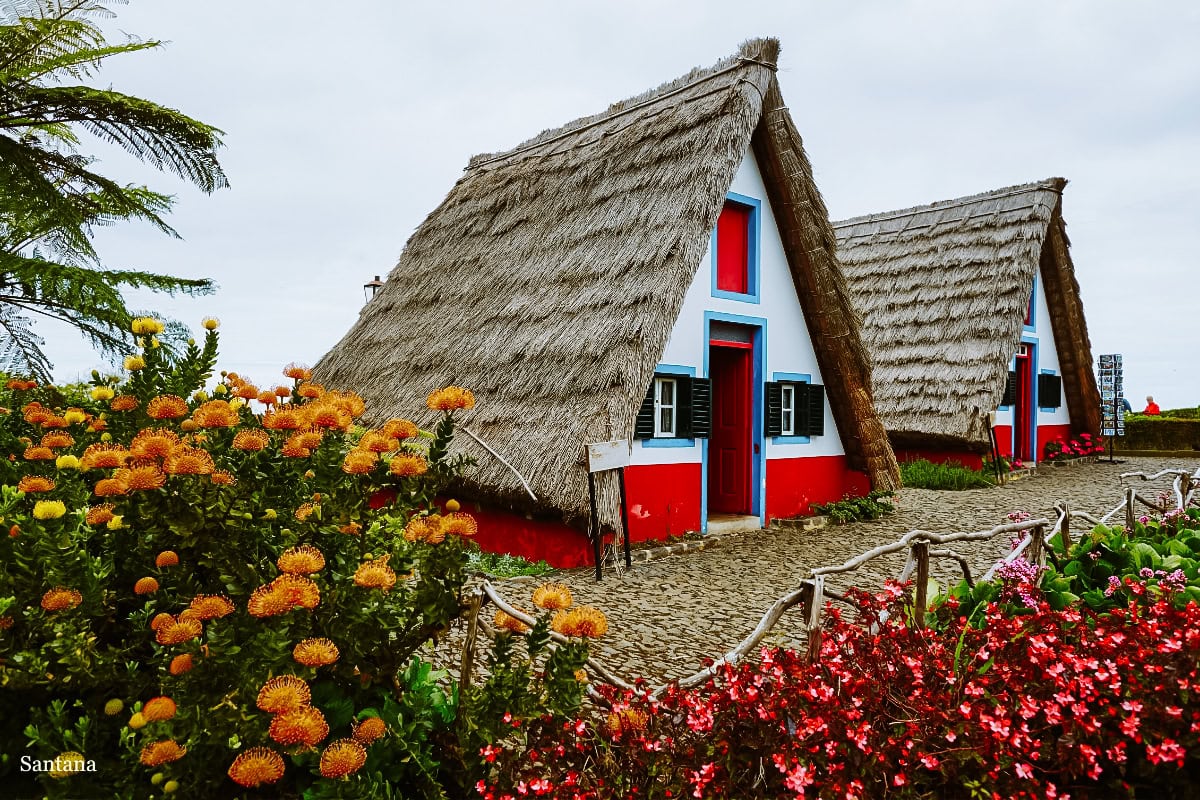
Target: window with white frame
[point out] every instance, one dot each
(787, 409)
(665, 407)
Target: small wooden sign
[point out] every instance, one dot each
(607, 455)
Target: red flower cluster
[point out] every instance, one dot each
(1046, 704)
(1084, 445)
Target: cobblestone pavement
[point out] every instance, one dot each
(665, 616)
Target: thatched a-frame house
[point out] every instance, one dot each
(572, 283)
(970, 305)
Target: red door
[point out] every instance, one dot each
(729, 444)
(1023, 412)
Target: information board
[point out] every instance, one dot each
(1112, 392)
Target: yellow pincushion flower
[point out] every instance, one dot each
(68, 462)
(74, 416)
(147, 325)
(584, 621)
(553, 597)
(49, 509)
(67, 764)
(134, 363)
(210, 323)
(102, 393)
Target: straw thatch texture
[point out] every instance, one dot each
(943, 291)
(549, 279)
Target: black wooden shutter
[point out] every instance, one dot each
(773, 409)
(1049, 391)
(1010, 390)
(643, 428)
(699, 392)
(815, 405)
(683, 406)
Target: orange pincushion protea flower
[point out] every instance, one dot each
(153, 443)
(267, 398)
(18, 385)
(508, 622)
(160, 620)
(104, 456)
(315, 652)
(145, 478)
(282, 391)
(163, 752)
(159, 709)
(291, 449)
(167, 406)
(310, 391)
(251, 440)
(375, 574)
(110, 487)
(351, 528)
(552, 597)
(60, 598)
(327, 415)
(266, 602)
(369, 730)
(32, 484)
(583, 621)
(39, 454)
(55, 421)
(99, 515)
(450, 398)
(282, 694)
(306, 726)
(57, 439)
(302, 560)
(424, 529)
(181, 664)
(189, 461)
(167, 558)
(282, 419)
(378, 442)
(247, 391)
(359, 462)
(179, 631)
(145, 586)
(405, 465)
(222, 477)
(123, 402)
(298, 372)
(211, 606)
(349, 402)
(35, 412)
(459, 524)
(341, 758)
(399, 429)
(298, 591)
(256, 766)
(310, 439)
(305, 511)
(6, 623)
(216, 414)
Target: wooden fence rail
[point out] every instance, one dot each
(812, 594)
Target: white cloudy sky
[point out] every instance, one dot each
(346, 123)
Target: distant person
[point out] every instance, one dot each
(1151, 408)
(1128, 409)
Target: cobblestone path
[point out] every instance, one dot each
(666, 616)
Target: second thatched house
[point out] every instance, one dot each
(661, 273)
(971, 306)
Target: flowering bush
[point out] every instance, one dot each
(1041, 704)
(202, 592)
(1084, 445)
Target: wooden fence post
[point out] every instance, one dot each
(920, 552)
(468, 652)
(1130, 513)
(1066, 527)
(1037, 546)
(816, 606)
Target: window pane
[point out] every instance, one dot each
(666, 393)
(787, 395)
(666, 421)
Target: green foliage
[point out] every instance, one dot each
(503, 565)
(1182, 413)
(923, 474)
(857, 509)
(51, 197)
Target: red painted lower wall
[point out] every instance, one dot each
(1049, 433)
(664, 500)
(1004, 440)
(794, 484)
(552, 541)
(963, 457)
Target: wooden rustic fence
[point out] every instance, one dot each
(811, 595)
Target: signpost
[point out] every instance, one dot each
(1112, 391)
(601, 457)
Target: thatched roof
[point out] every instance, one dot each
(549, 279)
(943, 291)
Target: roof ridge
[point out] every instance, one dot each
(1049, 184)
(763, 52)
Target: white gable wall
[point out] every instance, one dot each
(788, 347)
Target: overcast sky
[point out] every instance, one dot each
(346, 123)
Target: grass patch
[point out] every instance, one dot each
(503, 565)
(856, 509)
(926, 475)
